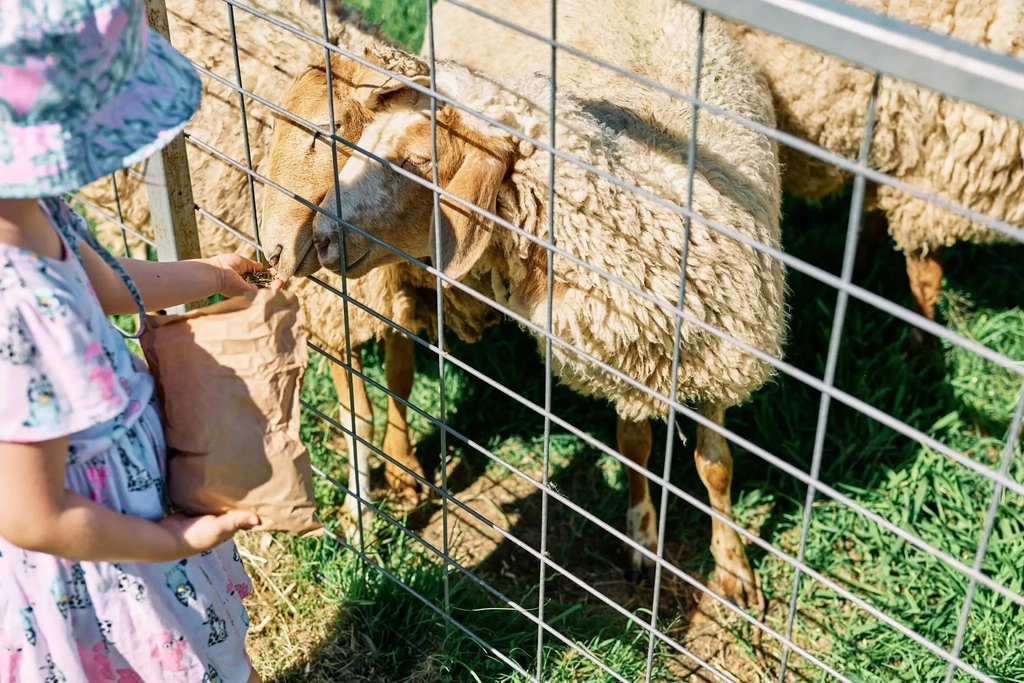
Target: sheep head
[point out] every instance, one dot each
(301, 160)
(472, 161)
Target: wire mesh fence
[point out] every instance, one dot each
(876, 490)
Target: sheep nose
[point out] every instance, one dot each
(321, 243)
(275, 256)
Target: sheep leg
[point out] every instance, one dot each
(641, 520)
(399, 366)
(733, 576)
(925, 274)
(358, 451)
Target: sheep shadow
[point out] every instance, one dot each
(781, 418)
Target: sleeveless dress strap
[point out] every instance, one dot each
(55, 209)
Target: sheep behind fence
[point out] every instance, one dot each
(606, 71)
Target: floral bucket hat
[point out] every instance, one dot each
(86, 88)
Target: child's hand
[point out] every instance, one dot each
(230, 268)
(198, 534)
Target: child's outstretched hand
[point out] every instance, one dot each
(198, 534)
(230, 268)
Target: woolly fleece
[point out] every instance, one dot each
(729, 285)
(403, 293)
(955, 150)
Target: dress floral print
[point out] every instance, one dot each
(66, 371)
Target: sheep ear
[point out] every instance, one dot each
(371, 86)
(463, 233)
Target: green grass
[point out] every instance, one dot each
(401, 20)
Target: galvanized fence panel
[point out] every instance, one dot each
(883, 45)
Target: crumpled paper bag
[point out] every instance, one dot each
(228, 378)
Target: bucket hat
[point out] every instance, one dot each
(86, 88)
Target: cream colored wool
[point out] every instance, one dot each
(957, 151)
(729, 285)
(270, 58)
(657, 42)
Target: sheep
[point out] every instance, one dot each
(729, 285)
(650, 44)
(200, 29)
(302, 162)
(957, 151)
(954, 150)
(402, 294)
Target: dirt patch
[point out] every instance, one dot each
(688, 616)
(470, 540)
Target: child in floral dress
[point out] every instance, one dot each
(96, 583)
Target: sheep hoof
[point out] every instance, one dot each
(351, 529)
(744, 592)
(404, 484)
(638, 576)
(641, 568)
(400, 481)
(411, 495)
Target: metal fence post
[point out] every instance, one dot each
(169, 186)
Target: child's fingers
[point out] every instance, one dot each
(243, 265)
(245, 518)
(237, 520)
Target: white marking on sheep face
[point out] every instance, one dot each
(378, 200)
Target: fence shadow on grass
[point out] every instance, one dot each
(858, 457)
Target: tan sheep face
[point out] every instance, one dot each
(399, 211)
(302, 162)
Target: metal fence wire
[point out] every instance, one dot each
(791, 644)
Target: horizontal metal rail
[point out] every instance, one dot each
(890, 46)
(814, 272)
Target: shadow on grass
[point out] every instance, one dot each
(860, 457)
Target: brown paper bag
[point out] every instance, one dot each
(228, 378)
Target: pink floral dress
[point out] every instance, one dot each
(65, 371)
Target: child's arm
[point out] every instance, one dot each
(166, 284)
(37, 513)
